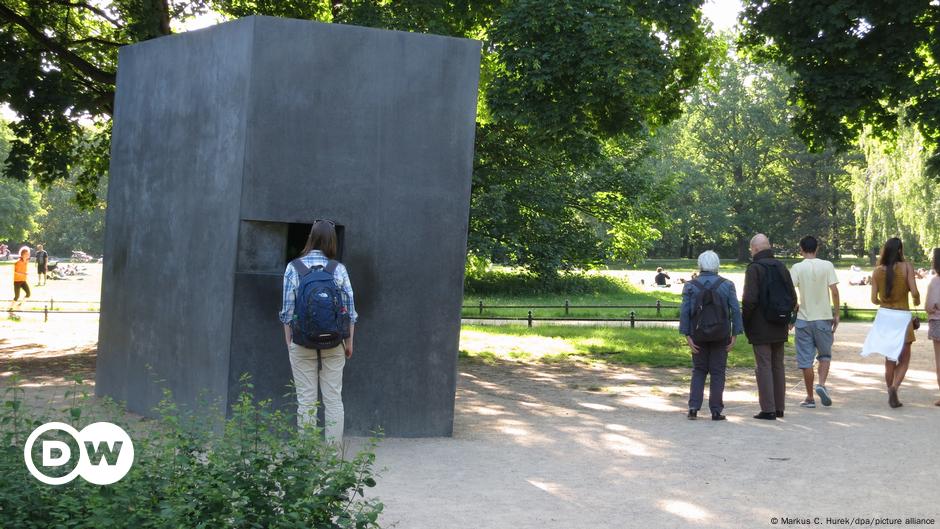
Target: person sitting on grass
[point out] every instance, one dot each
(710, 320)
(662, 278)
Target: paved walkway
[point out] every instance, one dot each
(554, 446)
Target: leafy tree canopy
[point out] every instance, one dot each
(569, 88)
(19, 202)
(856, 64)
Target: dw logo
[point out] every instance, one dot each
(105, 453)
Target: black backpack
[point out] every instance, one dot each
(776, 300)
(710, 320)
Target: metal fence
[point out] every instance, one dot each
(50, 306)
(631, 317)
(55, 307)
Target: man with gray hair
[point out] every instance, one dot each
(768, 302)
(710, 320)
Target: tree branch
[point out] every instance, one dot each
(68, 56)
(96, 10)
(98, 40)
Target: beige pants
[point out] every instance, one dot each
(307, 377)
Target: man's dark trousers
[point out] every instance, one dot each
(712, 359)
(771, 377)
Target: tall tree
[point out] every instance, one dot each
(58, 64)
(739, 169)
(19, 202)
(856, 63)
(893, 196)
(739, 120)
(568, 89)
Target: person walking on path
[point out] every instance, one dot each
(20, 279)
(767, 303)
(42, 265)
(932, 305)
(891, 283)
(816, 319)
(710, 320)
(319, 254)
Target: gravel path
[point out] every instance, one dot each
(578, 447)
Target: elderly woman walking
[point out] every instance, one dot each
(710, 320)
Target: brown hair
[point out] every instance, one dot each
(936, 260)
(891, 254)
(322, 237)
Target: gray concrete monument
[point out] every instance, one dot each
(228, 143)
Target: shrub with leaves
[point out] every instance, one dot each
(253, 469)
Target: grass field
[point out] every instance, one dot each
(610, 291)
(651, 347)
(630, 287)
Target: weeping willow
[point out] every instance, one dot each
(893, 196)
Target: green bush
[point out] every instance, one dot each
(502, 284)
(252, 470)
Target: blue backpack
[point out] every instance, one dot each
(321, 320)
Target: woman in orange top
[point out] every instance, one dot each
(891, 282)
(19, 275)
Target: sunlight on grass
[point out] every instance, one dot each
(648, 346)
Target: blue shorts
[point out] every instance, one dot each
(813, 336)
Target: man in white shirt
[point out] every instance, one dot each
(816, 318)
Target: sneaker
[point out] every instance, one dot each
(823, 395)
(718, 417)
(808, 404)
(693, 414)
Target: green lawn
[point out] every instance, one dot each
(592, 290)
(651, 347)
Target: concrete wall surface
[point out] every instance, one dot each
(371, 128)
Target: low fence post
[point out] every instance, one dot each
(51, 304)
(659, 308)
(845, 310)
(45, 311)
(481, 307)
(566, 307)
(530, 318)
(632, 319)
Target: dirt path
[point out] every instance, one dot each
(568, 446)
(549, 446)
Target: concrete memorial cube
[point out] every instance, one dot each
(227, 144)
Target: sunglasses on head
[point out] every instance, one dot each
(332, 223)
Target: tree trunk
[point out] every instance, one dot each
(744, 249)
(685, 246)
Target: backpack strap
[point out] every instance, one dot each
(717, 283)
(712, 286)
(331, 266)
(300, 267)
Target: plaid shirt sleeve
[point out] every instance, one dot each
(346, 287)
(287, 296)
